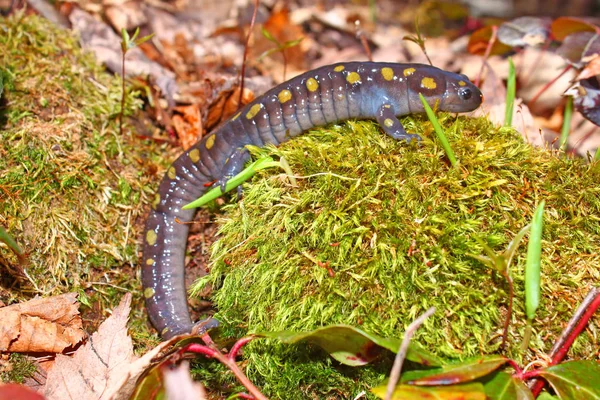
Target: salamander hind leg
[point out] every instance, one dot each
(233, 166)
(391, 125)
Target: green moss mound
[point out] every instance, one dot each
(71, 186)
(377, 231)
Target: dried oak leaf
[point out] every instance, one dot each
(188, 125)
(48, 324)
(105, 367)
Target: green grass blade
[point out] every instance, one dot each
(566, 127)
(10, 242)
(247, 173)
(511, 88)
(533, 266)
(439, 131)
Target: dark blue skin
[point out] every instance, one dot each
(381, 91)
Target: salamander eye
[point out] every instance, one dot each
(465, 93)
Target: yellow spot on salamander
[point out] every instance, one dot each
(148, 293)
(210, 142)
(284, 95)
(428, 83)
(149, 261)
(388, 73)
(253, 111)
(388, 122)
(164, 331)
(236, 116)
(156, 201)
(387, 106)
(312, 84)
(171, 173)
(461, 83)
(408, 71)
(353, 77)
(339, 68)
(151, 237)
(195, 155)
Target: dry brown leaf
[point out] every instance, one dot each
(48, 324)
(179, 384)
(188, 125)
(105, 367)
(591, 69)
(126, 16)
(226, 104)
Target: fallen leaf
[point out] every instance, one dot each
(12, 391)
(105, 367)
(592, 69)
(126, 16)
(48, 324)
(179, 384)
(564, 26)
(188, 125)
(524, 31)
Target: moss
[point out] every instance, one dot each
(378, 231)
(17, 368)
(72, 187)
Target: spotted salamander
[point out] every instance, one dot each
(381, 91)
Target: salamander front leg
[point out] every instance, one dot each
(392, 126)
(233, 166)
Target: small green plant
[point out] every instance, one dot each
(418, 39)
(279, 47)
(501, 264)
(127, 43)
(566, 126)
(511, 88)
(533, 271)
(246, 174)
(439, 132)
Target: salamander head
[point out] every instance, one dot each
(445, 90)
(461, 95)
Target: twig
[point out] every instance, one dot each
(486, 55)
(547, 85)
(578, 322)
(243, 71)
(401, 355)
(360, 34)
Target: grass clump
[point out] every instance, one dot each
(378, 231)
(71, 188)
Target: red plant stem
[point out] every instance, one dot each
(529, 374)
(229, 363)
(208, 340)
(576, 325)
(547, 85)
(525, 78)
(511, 294)
(364, 42)
(243, 71)
(486, 55)
(516, 367)
(238, 346)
